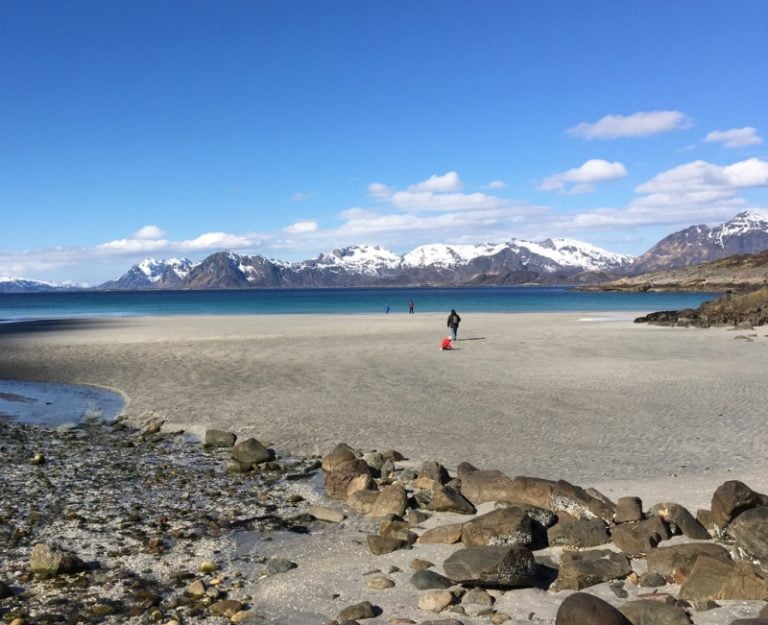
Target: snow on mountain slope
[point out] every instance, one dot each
(572, 253)
(27, 285)
(442, 255)
(154, 269)
(746, 222)
(368, 259)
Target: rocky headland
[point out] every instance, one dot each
(740, 310)
(736, 273)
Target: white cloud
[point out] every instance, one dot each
(379, 190)
(449, 202)
(301, 196)
(584, 176)
(735, 138)
(133, 246)
(441, 184)
(215, 240)
(695, 192)
(497, 184)
(149, 232)
(700, 175)
(301, 227)
(635, 125)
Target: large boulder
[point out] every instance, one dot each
(731, 499)
(48, 561)
(392, 500)
(506, 567)
(507, 526)
(430, 580)
(220, 438)
(677, 561)
(651, 612)
(338, 481)
(680, 517)
(750, 529)
(635, 538)
(448, 499)
(581, 608)
(582, 569)
(435, 471)
(341, 453)
(560, 496)
(443, 534)
(628, 510)
(578, 533)
(250, 452)
(712, 579)
(379, 545)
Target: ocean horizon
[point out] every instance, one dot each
(513, 299)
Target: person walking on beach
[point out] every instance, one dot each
(410, 306)
(386, 310)
(453, 323)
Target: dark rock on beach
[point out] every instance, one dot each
(504, 567)
(583, 609)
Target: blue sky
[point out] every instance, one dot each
(132, 129)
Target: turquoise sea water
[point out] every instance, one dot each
(15, 307)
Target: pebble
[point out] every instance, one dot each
(379, 582)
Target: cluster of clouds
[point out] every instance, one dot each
(441, 208)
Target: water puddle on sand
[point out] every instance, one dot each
(46, 403)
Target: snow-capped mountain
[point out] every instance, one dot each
(517, 261)
(367, 259)
(562, 252)
(26, 285)
(746, 233)
(150, 272)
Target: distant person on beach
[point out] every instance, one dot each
(453, 323)
(386, 310)
(410, 306)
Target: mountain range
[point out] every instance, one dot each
(552, 261)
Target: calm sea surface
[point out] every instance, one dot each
(333, 301)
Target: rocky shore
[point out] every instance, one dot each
(109, 523)
(740, 310)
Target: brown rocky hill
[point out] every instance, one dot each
(745, 271)
(742, 310)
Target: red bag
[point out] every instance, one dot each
(446, 344)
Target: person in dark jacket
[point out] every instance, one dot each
(453, 323)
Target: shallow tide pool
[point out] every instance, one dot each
(47, 403)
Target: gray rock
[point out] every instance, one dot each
(48, 561)
(250, 451)
(435, 471)
(392, 500)
(731, 499)
(651, 579)
(430, 580)
(582, 569)
(543, 517)
(649, 612)
(278, 565)
(507, 526)
(583, 609)
(629, 510)
(750, 529)
(578, 533)
(357, 611)
(341, 453)
(379, 545)
(447, 499)
(680, 517)
(464, 469)
(636, 538)
(677, 561)
(329, 515)
(477, 596)
(713, 579)
(443, 534)
(220, 438)
(492, 566)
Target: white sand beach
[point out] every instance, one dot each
(660, 413)
(585, 397)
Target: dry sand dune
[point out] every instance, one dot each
(552, 395)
